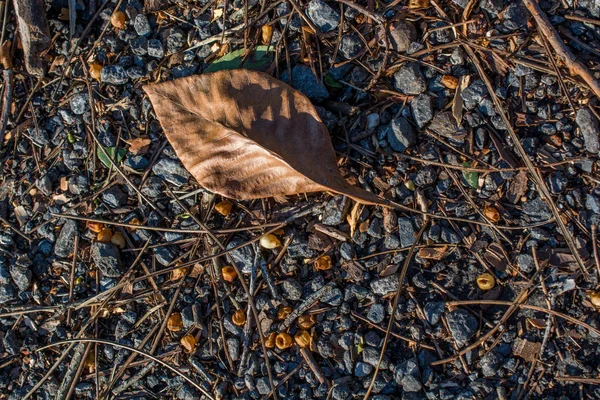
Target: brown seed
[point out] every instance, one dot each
(188, 342)
(228, 273)
(104, 235)
(283, 341)
(306, 321)
(95, 227)
(451, 82)
(303, 338)
(323, 263)
(267, 33)
(118, 20)
(175, 322)
(270, 340)
(95, 70)
(491, 213)
(239, 317)
(486, 281)
(283, 312)
(224, 207)
(118, 240)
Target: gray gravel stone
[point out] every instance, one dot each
(383, 286)
(350, 46)
(407, 376)
(21, 273)
(44, 184)
(66, 239)
(322, 15)
(79, 103)
(292, 289)
(376, 313)
(445, 125)
(590, 129)
(433, 311)
(141, 25)
(304, 80)
(171, 171)
(422, 109)
(525, 263)
(537, 210)
(406, 232)
(155, 48)
(362, 369)
(409, 79)
(242, 257)
(400, 136)
(462, 326)
(114, 197)
(114, 75)
(78, 184)
(107, 258)
(163, 255)
(402, 35)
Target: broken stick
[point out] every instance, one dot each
(575, 67)
(34, 33)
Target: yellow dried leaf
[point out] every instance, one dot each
(224, 207)
(449, 81)
(267, 33)
(138, 145)
(269, 241)
(323, 263)
(189, 343)
(118, 19)
(491, 213)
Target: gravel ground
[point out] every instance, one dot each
(112, 271)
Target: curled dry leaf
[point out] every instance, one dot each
(246, 135)
(138, 145)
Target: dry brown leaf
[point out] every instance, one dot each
(433, 253)
(138, 145)
(5, 55)
(353, 217)
(246, 135)
(518, 187)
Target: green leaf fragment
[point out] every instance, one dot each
(332, 82)
(110, 151)
(258, 60)
(472, 178)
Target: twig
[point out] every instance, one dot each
(314, 367)
(575, 67)
(132, 349)
(6, 102)
(394, 307)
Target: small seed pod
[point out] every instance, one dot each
(323, 263)
(306, 321)
(104, 235)
(175, 322)
(189, 343)
(118, 20)
(239, 317)
(486, 281)
(283, 341)
(270, 340)
(95, 227)
(283, 312)
(303, 338)
(491, 213)
(269, 241)
(118, 240)
(228, 273)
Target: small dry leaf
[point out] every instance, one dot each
(323, 263)
(246, 135)
(537, 323)
(64, 184)
(104, 235)
(353, 217)
(526, 349)
(433, 253)
(95, 227)
(267, 33)
(594, 297)
(175, 322)
(188, 342)
(177, 274)
(270, 340)
(224, 207)
(283, 312)
(491, 213)
(138, 145)
(306, 321)
(239, 317)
